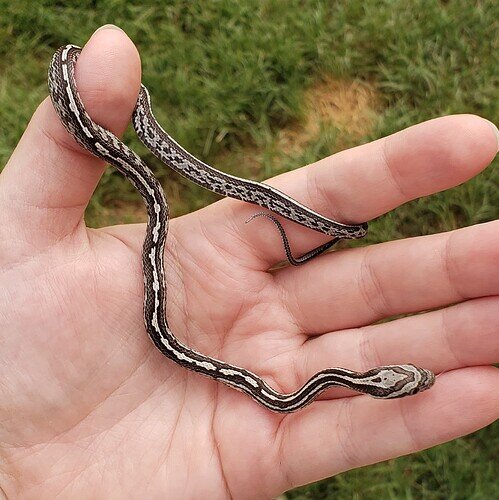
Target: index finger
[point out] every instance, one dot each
(364, 182)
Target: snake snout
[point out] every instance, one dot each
(400, 380)
(427, 379)
(422, 379)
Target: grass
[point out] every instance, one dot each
(231, 81)
(463, 469)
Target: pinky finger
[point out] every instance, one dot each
(334, 436)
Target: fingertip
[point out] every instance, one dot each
(49, 177)
(495, 131)
(108, 76)
(478, 137)
(441, 153)
(474, 385)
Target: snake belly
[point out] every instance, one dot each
(381, 382)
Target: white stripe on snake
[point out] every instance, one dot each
(381, 382)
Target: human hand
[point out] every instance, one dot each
(90, 407)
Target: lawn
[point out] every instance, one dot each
(260, 87)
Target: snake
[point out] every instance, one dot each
(386, 382)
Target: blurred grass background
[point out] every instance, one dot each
(260, 87)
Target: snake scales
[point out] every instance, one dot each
(381, 382)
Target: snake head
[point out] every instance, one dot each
(391, 382)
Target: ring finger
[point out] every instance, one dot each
(455, 337)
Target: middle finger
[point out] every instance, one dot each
(360, 286)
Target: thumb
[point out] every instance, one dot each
(49, 179)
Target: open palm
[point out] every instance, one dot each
(89, 406)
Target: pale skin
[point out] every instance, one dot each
(90, 408)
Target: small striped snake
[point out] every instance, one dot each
(381, 382)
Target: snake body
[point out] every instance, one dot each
(381, 382)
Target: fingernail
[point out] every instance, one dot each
(496, 131)
(108, 27)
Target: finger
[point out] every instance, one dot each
(450, 338)
(362, 285)
(49, 179)
(334, 436)
(364, 182)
